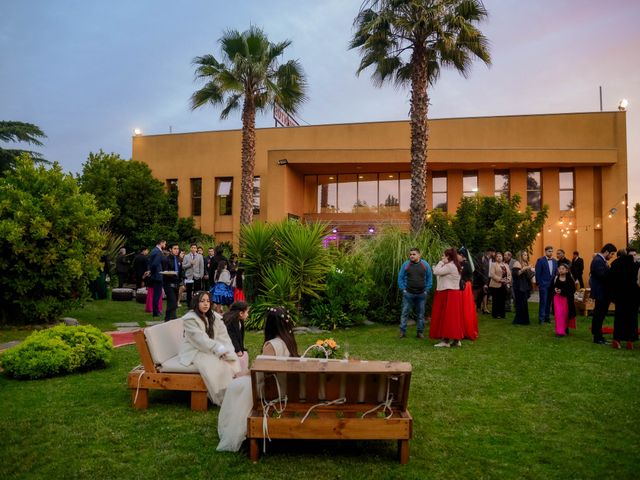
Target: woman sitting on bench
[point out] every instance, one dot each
(207, 345)
(238, 400)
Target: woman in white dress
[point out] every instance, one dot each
(207, 345)
(238, 400)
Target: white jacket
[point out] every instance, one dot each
(196, 339)
(448, 276)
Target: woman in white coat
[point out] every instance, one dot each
(207, 345)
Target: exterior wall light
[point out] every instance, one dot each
(622, 106)
(137, 132)
(283, 161)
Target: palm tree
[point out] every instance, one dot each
(408, 41)
(18, 132)
(250, 76)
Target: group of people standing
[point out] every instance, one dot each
(463, 289)
(175, 272)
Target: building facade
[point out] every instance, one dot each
(356, 177)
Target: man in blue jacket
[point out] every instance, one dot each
(546, 270)
(597, 281)
(155, 269)
(414, 282)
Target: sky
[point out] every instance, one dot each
(89, 72)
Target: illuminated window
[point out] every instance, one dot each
(389, 194)
(469, 184)
(567, 190)
(534, 189)
(224, 195)
(439, 189)
(327, 193)
(347, 193)
(501, 181)
(256, 195)
(196, 197)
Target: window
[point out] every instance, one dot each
(567, 190)
(469, 184)
(367, 193)
(172, 190)
(388, 193)
(256, 195)
(224, 194)
(196, 197)
(439, 189)
(347, 193)
(534, 189)
(327, 193)
(405, 192)
(501, 182)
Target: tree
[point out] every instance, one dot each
(19, 132)
(408, 41)
(635, 241)
(249, 76)
(482, 222)
(51, 242)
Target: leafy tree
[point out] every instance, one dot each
(51, 239)
(19, 132)
(481, 222)
(408, 41)
(635, 241)
(142, 211)
(250, 77)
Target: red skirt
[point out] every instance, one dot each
(469, 313)
(446, 315)
(238, 295)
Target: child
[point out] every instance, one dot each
(238, 292)
(234, 320)
(563, 306)
(222, 293)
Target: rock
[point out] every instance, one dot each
(70, 322)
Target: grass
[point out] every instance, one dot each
(517, 403)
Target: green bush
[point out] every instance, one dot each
(346, 299)
(56, 351)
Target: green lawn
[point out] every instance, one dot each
(517, 403)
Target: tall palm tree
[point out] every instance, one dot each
(250, 76)
(11, 131)
(408, 41)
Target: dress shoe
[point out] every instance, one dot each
(616, 344)
(442, 344)
(402, 335)
(420, 336)
(456, 343)
(629, 345)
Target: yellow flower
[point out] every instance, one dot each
(331, 342)
(319, 342)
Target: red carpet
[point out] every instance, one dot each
(121, 338)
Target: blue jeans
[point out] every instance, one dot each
(409, 301)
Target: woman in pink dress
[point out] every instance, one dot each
(447, 321)
(564, 309)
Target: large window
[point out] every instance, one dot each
(172, 190)
(367, 193)
(256, 195)
(469, 183)
(224, 195)
(501, 182)
(389, 200)
(567, 190)
(327, 193)
(439, 189)
(347, 193)
(534, 189)
(405, 191)
(196, 197)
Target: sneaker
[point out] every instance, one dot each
(420, 335)
(456, 343)
(616, 344)
(629, 345)
(442, 344)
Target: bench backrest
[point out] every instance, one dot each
(164, 340)
(316, 380)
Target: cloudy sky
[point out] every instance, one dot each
(89, 72)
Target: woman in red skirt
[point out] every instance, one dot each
(447, 321)
(469, 316)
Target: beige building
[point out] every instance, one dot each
(356, 176)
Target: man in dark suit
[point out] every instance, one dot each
(597, 282)
(546, 270)
(171, 281)
(155, 275)
(577, 268)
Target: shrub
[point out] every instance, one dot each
(56, 351)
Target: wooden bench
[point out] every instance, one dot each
(158, 347)
(583, 301)
(370, 401)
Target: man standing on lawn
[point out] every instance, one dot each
(193, 266)
(171, 281)
(414, 282)
(546, 269)
(597, 282)
(155, 274)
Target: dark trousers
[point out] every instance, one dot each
(580, 281)
(157, 295)
(478, 295)
(545, 304)
(599, 312)
(196, 286)
(498, 296)
(172, 302)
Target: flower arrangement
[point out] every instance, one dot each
(328, 345)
